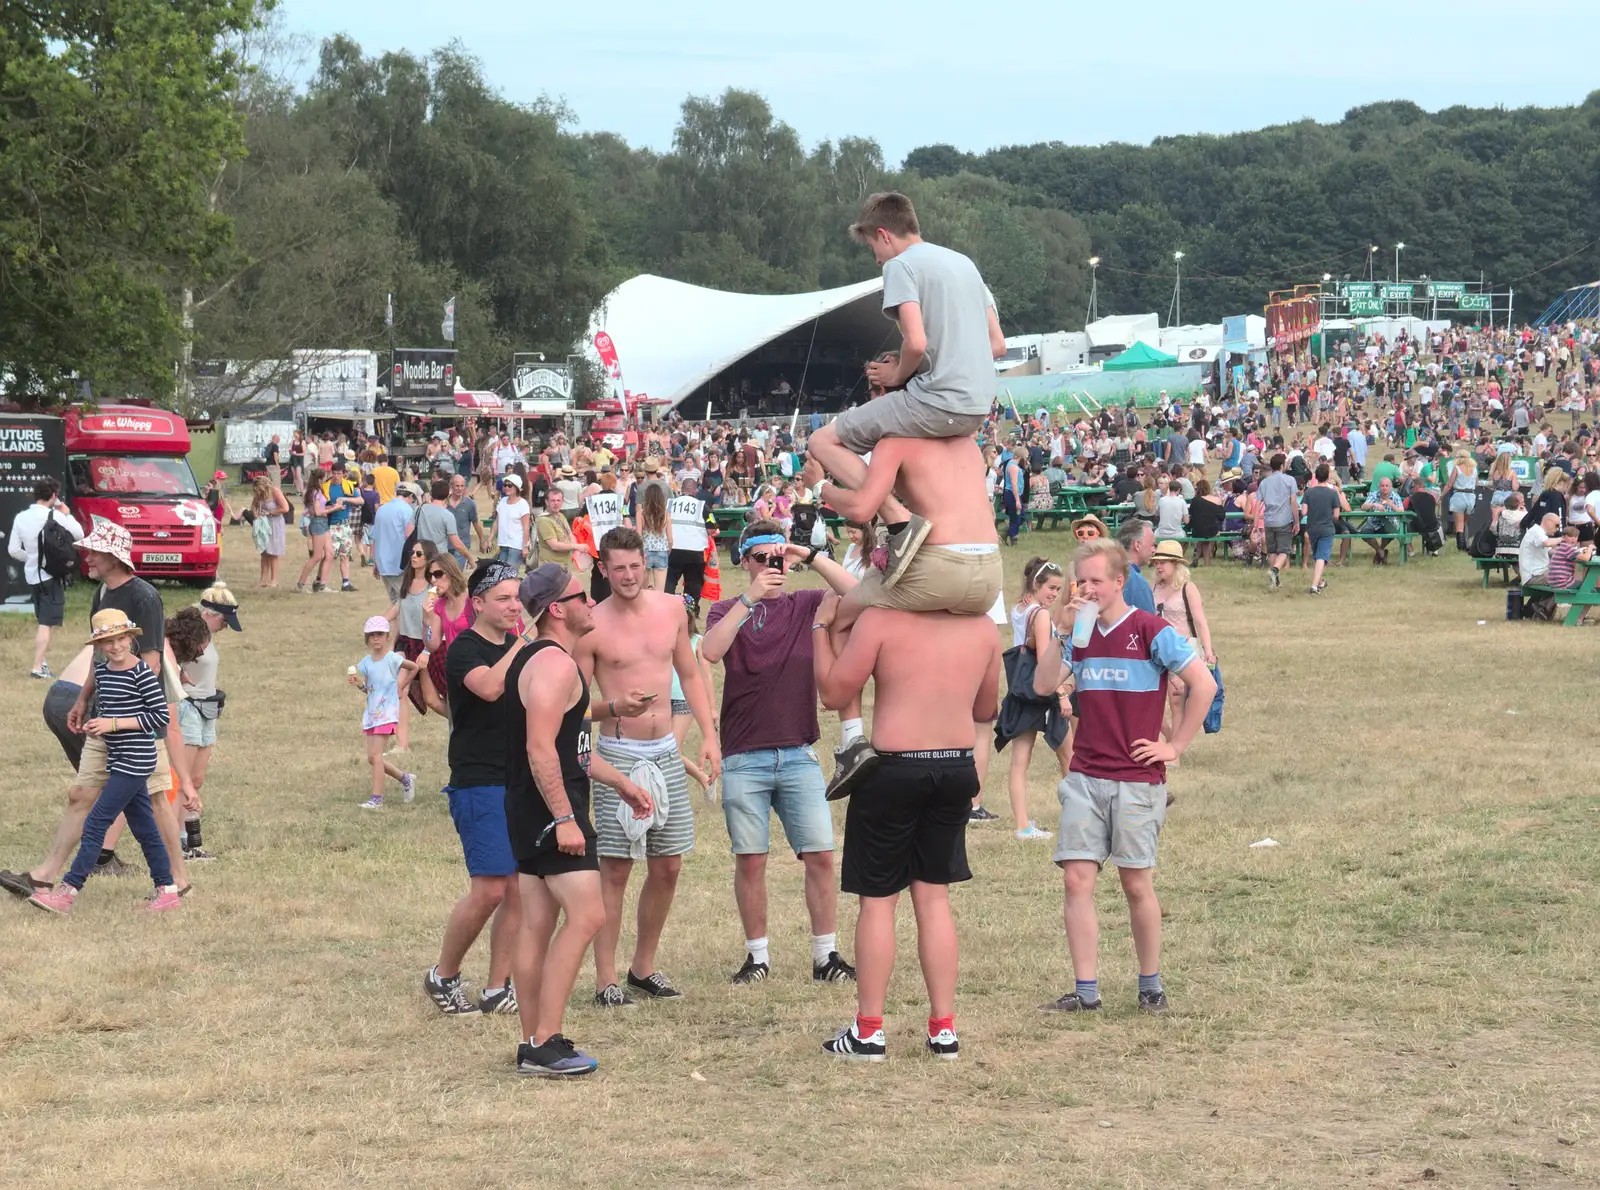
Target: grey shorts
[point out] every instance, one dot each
(50, 602)
(1280, 539)
(676, 837)
(1115, 820)
(900, 415)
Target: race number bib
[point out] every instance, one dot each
(605, 513)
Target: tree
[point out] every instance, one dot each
(115, 118)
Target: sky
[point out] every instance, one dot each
(979, 75)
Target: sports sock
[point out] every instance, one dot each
(757, 948)
(1088, 990)
(866, 1026)
(937, 1023)
(445, 978)
(1149, 983)
(823, 945)
(106, 856)
(850, 730)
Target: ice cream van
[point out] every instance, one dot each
(129, 465)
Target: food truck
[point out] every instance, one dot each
(129, 464)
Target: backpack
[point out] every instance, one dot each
(1484, 543)
(58, 553)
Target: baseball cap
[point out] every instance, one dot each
(375, 624)
(220, 475)
(542, 587)
(407, 488)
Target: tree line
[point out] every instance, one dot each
(171, 193)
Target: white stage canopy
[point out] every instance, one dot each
(671, 338)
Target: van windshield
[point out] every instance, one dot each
(121, 475)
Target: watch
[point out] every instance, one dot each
(812, 556)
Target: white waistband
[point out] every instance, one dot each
(639, 749)
(976, 548)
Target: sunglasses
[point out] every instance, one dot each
(1086, 533)
(764, 559)
(568, 598)
(435, 574)
(418, 554)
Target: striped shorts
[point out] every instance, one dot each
(676, 835)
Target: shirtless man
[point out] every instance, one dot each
(906, 826)
(548, 766)
(640, 637)
(957, 568)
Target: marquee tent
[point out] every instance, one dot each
(671, 338)
(1140, 355)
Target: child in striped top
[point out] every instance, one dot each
(130, 710)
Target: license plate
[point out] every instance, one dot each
(156, 559)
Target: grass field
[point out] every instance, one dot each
(1404, 991)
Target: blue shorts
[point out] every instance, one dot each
(1322, 548)
(786, 780)
(479, 812)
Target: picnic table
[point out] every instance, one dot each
(730, 516)
(1504, 560)
(1585, 595)
(1397, 527)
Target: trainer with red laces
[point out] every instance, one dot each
(1114, 796)
(131, 711)
(906, 827)
(769, 733)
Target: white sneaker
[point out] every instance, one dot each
(408, 786)
(1033, 832)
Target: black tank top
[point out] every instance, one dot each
(527, 816)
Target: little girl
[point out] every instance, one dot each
(130, 712)
(379, 676)
(682, 717)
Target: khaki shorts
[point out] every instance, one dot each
(939, 579)
(92, 767)
(900, 415)
(1115, 820)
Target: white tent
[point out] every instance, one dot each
(671, 338)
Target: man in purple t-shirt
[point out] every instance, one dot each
(769, 724)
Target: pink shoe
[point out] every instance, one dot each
(55, 900)
(165, 898)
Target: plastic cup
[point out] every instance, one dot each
(1083, 624)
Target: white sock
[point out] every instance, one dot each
(823, 945)
(850, 730)
(757, 948)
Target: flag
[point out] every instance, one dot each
(448, 327)
(388, 312)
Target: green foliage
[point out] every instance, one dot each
(114, 118)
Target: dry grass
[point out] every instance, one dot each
(1403, 991)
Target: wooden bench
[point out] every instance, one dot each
(1504, 562)
(1577, 599)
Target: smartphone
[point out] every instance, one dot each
(650, 697)
(775, 562)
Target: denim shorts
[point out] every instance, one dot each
(1322, 548)
(198, 731)
(786, 780)
(655, 559)
(479, 812)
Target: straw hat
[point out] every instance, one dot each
(1094, 521)
(1231, 474)
(110, 624)
(1171, 550)
(568, 473)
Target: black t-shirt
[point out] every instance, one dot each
(140, 602)
(477, 728)
(272, 454)
(1341, 451)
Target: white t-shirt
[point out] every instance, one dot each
(1324, 447)
(688, 515)
(1197, 452)
(1533, 557)
(1592, 502)
(605, 513)
(508, 514)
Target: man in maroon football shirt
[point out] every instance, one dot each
(1114, 796)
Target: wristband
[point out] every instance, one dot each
(749, 604)
(613, 705)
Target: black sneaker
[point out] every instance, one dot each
(903, 547)
(835, 970)
(1314, 591)
(197, 855)
(944, 1044)
(111, 867)
(1071, 1002)
(850, 765)
(1154, 1003)
(611, 996)
(347, 586)
(556, 1058)
(860, 1049)
(447, 994)
(1272, 579)
(654, 985)
(318, 588)
(498, 1001)
(752, 971)
(979, 814)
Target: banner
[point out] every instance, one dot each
(1474, 301)
(542, 382)
(607, 351)
(1446, 289)
(388, 312)
(423, 374)
(32, 446)
(337, 381)
(1397, 292)
(1352, 289)
(1366, 307)
(447, 328)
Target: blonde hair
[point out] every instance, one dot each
(1180, 570)
(1555, 477)
(1501, 467)
(1102, 547)
(218, 593)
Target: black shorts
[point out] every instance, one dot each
(558, 863)
(908, 821)
(50, 602)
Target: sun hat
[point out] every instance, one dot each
(568, 473)
(109, 538)
(220, 475)
(513, 479)
(1230, 474)
(375, 624)
(109, 624)
(1093, 520)
(1169, 549)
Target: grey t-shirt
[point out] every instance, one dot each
(1278, 493)
(957, 375)
(435, 523)
(466, 514)
(1322, 505)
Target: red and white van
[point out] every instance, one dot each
(129, 465)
